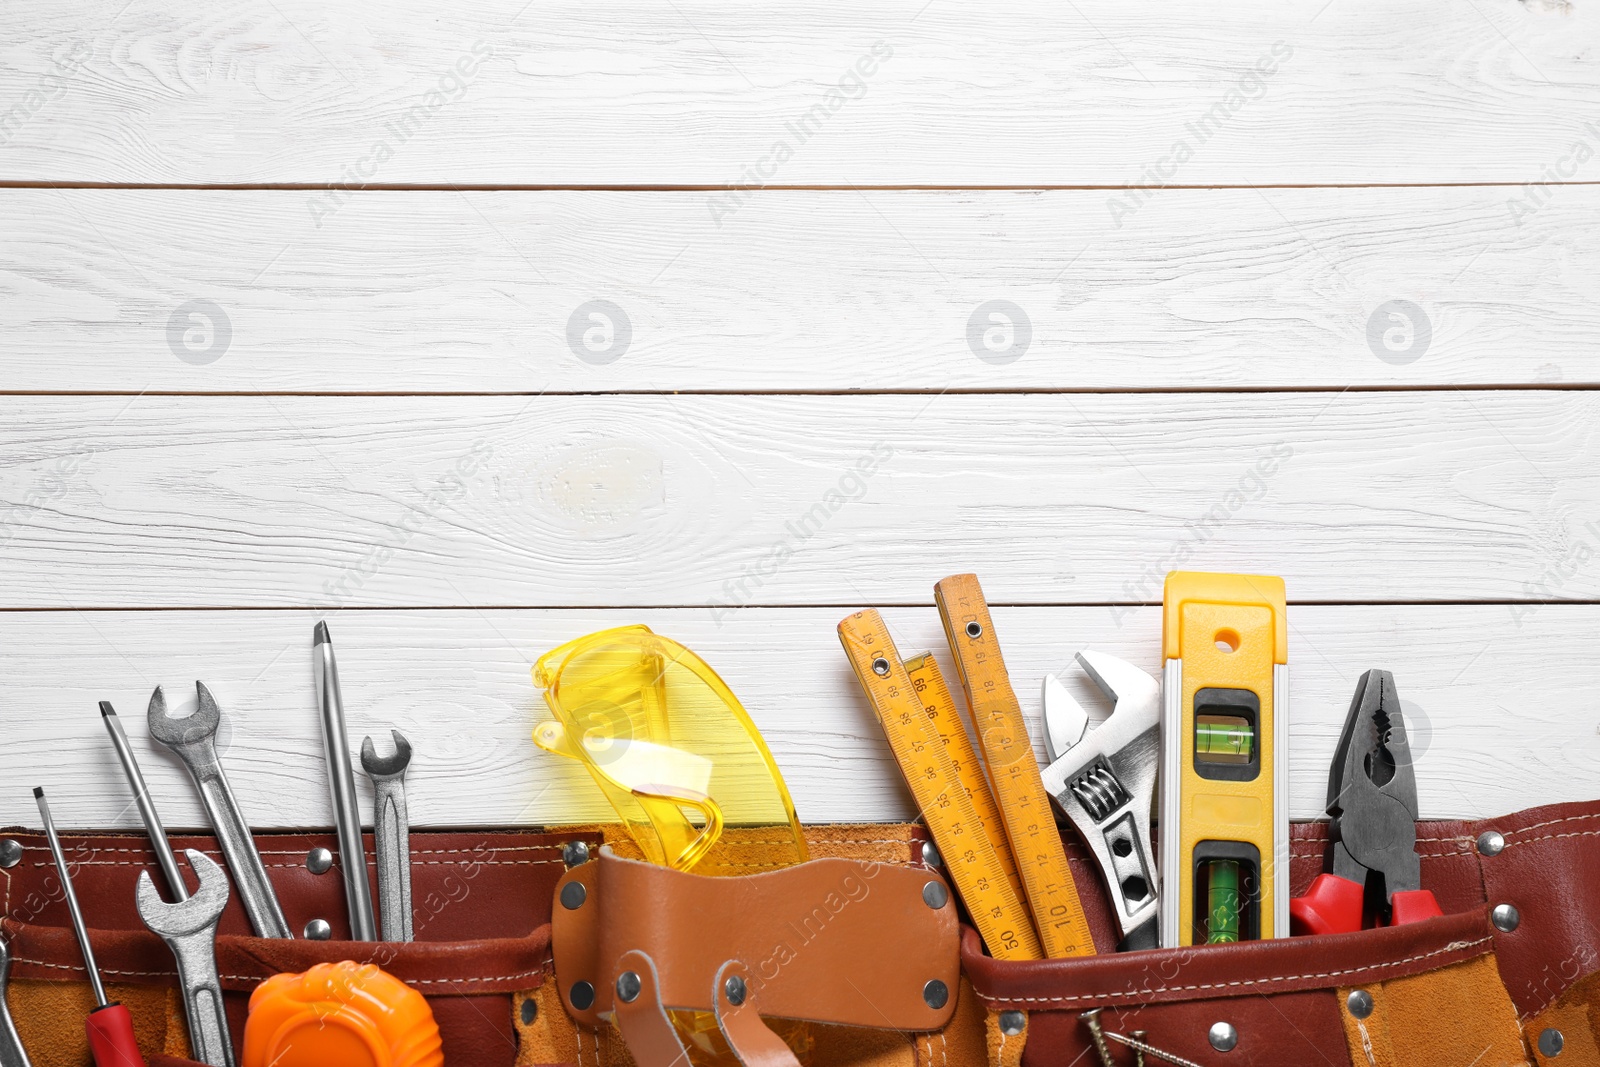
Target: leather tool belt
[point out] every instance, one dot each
(836, 957)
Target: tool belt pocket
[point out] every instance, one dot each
(845, 942)
(1510, 974)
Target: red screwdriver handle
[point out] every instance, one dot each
(111, 1037)
(1332, 905)
(1412, 906)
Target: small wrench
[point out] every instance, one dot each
(392, 829)
(193, 739)
(12, 1054)
(190, 930)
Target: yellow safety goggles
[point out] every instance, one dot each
(666, 740)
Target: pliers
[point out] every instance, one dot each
(1372, 802)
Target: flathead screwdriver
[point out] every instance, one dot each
(147, 808)
(109, 1025)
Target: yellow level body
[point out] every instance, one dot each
(1224, 774)
(1019, 791)
(930, 745)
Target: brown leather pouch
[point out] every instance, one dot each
(842, 941)
(1460, 989)
(492, 995)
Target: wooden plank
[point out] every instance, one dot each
(889, 92)
(474, 292)
(781, 500)
(1500, 709)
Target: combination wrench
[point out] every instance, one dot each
(194, 741)
(190, 929)
(392, 829)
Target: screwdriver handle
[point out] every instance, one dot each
(111, 1037)
(1412, 906)
(1332, 905)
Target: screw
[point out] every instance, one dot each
(1092, 1019)
(318, 930)
(10, 852)
(734, 987)
(581, 996)
(575, 852)
(930, 854)
(1505, 917)
(573, 895)
(935, 895)
(530, 1011)
(1012, 1023)
(319, 861)
(935, 994)
(1490, 842)
(628, 986)
(1359, 1002)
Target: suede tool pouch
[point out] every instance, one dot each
(1509, 975)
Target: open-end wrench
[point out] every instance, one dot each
(12, 1054)
(392, 829)
(190, 929)
(193, 739)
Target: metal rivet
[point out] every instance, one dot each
(974, 629)
(935, 994)
(10, 852)
(1490, 842)
(573, 895)
(1505, 917)
(530, 1011)
(1359, 1002)
(574, 853)
(735, 989)
(1551, 1042)
(319, 861)
(318, 930)
(930, 855)
(1223, 1037)
(628, 986)
(1012, 1023)
(581, 996)
(880, 667)
(935, 895)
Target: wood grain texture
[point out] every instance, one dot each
(1501, 706)
(642, 92)
(674, 501)
(473, 292)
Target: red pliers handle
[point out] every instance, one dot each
(1334, 905)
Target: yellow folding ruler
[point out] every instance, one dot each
(923, 726)
(1013, 769)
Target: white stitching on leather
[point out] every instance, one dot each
(1366, 1043)
(1454, 946)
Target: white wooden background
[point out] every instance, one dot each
(286, 303)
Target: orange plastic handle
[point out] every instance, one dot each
(350, 1014)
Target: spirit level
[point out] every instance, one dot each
(1224, 754)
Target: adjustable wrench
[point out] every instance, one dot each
(392, 829)
(12, 1054)
(193, 739)
(190, 929)
(1105, 782)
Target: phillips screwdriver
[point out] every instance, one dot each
(342, 786)
(147, 808)
(109, 1025)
